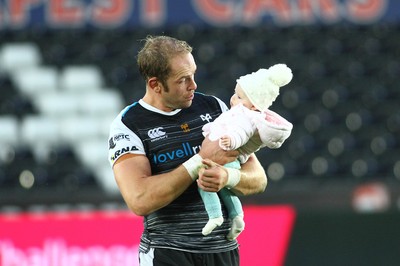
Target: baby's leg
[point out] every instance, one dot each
(235, 211)
(213, 207)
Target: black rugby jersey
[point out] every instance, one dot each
(168, 140)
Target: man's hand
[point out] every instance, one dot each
(211, 150)
(213, 177)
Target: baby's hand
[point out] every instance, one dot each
(225, 142)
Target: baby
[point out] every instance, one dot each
(246, 127)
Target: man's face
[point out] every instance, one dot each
(178, 90)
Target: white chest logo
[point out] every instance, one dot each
(156, 132)
(206, 117)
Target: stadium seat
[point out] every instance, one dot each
(57, 104)
(100, 103)
(67, 172)
(38, 130)
(37, 80)
(9, 138)
(93, 154)
(80, 128)
(15, 56)
(105, 178)
(81, 78)
(9, 130)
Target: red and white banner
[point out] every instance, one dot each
(111, 238)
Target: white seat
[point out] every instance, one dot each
(9, 130)
(9, 138)
(105, 177)
(80, 128)
(37, 80)
(14, 56)
(81, 78)
(104, 125)
(93, 154)
(102, 102)
(41, 135)
(39, 130)
(57, 104)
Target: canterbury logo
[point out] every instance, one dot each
(156, 132)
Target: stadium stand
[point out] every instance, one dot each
(62, 88)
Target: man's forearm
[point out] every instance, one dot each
(253, 178)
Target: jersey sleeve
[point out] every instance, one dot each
(122, 141)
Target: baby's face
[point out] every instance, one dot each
(240, 97)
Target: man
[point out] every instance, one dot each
(157, 152)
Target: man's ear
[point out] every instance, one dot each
(154, 85)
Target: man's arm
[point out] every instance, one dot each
(145, 193)
(253, 178)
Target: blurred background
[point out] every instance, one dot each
(68, 67)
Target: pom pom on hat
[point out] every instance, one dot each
(262, 87)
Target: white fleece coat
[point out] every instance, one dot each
(249, 130)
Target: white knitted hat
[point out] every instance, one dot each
(262, 87)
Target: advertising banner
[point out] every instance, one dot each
(111, 238)
(113, 14)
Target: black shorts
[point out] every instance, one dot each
(171, 257)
